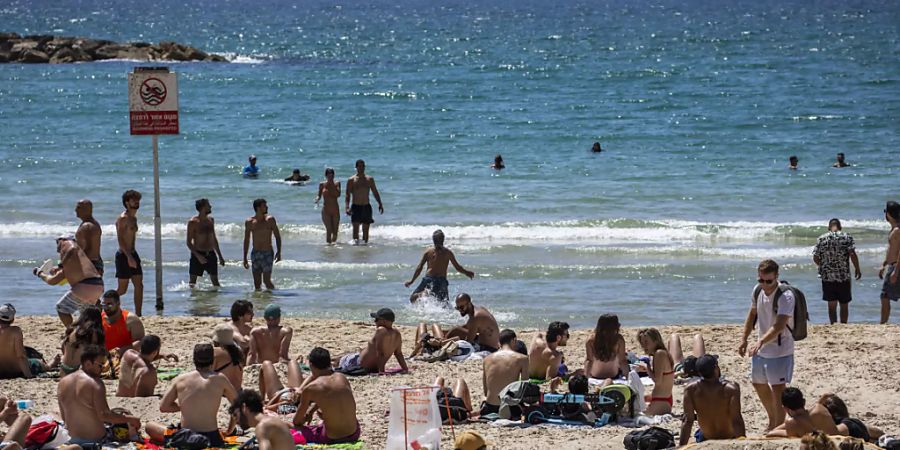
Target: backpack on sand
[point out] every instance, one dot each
(516, 396)
(653, 438)
(801, 314)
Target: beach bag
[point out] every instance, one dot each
(801, 314)
(515, 396)
(187, 440)
(653, 438)
(414, 421)
(45, 433)
(452, 409)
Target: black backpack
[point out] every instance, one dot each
(451, 408)
(801, 314)
(653, 438)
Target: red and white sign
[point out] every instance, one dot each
(153, 101)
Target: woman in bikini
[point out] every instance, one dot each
(229, 360)
(331, 212)
(661, 370)
(87, 330)
(606, 356)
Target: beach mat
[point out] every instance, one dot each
(168, 374)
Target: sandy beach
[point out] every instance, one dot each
(851, 360)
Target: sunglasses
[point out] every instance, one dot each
(761, 281)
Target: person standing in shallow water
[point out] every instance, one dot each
(128, 263)
(331, 211)
(831, 254)
(358, 186)
(262, 227)
(203, 244)
(88, 234)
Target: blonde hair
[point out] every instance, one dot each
(654, 336)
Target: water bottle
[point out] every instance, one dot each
(24, 404)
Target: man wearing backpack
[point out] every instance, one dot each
(772, 363)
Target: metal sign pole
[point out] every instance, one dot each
(157, 224)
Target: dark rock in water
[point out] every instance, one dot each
(34, 56)
(60, 49)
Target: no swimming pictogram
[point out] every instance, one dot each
(153, 101)
(153, 91)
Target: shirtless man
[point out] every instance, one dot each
(88, 234)
(197, 396)
(385, 343)
(262, 227)
(798, 422)
(128, 263)
(714, 402)
(890, 290)
(137, 374)
(13, 361)
(270, 342)
(241, 323)
(82, 401)
(544, 357)
(121, 329)
(501, 368)
(358, 186)
(204, 247)
(85, 283)
(481, 329)
(330, 393)
(435, 279)
(270, 433)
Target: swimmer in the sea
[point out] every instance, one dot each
(251, 170)
(297, 176)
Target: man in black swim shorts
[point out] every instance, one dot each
(358, 186)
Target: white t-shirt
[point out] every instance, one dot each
(765, 318)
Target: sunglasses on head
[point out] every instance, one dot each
(761, 281)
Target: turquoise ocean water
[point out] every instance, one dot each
(698, 105)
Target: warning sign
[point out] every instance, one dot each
(153, 101)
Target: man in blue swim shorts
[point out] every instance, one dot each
(262, 227)
(434, 282)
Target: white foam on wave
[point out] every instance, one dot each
(731, 252)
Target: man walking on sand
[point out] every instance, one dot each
(435, 279)
(358, 186)
(772, 363)
(128, 263)
(262, 227)
(88, 234)
(831, 254)
(204, 247)
(890, 290)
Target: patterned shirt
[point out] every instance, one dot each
(833, 250)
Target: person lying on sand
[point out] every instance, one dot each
(385, 343)
(545, 359)
(797, 421)
(686, 366)
(501, 368)
(454, 405)
(279, 398)
(329, 393)
(714, 402)
(481, 329)
(831, 410)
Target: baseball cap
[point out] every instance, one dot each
(383, 313)
(706, 365)
(7, 312)
(272, 311)
(469, 440)
(223, 334)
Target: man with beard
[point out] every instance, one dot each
(481, 329)
(203, 244)
(545, 360)
(128, 263)
(270, 433)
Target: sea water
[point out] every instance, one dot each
(697, 105)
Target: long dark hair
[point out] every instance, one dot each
(237, 356)
(89, 327)
(606, 337)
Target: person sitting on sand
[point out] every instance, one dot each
(251, 170)
(798, 422)
(714, 402)
(386, 342)
(229, 360)
(122, 329)
(14, 363)
(137, 374)
(86, 331)
(435, 280)
(498, 163)
(836, 413)
(241, 323)
(501, 368)
(481, 329)
(269, 433)
(82, 402)
(18, 423)
(296, 176)
(272, 341)
(545, 360)
(605, 349)
(661, 371)
(686, 366)
(85, 282)
(449, 399)
(196, 395)
(280, 398)
(330, 393)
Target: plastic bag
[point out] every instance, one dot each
(415, 422)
